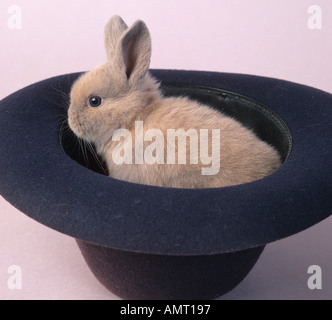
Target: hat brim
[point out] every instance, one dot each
(42, 181)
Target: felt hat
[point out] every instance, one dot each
(146, 242)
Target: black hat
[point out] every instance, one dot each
(154, 233)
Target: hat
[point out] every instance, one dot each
(151, 242)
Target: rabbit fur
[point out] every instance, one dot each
(131, 96)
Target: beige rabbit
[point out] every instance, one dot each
(149, 139)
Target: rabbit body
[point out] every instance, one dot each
(119, 108)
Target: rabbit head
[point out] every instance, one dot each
(111, 95)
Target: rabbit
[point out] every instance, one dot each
(119, 102)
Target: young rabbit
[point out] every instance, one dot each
(118, 107)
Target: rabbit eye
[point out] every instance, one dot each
(95, 101)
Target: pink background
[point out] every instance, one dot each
(262, 37)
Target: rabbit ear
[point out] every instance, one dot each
(113, 32)
(135, 51)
